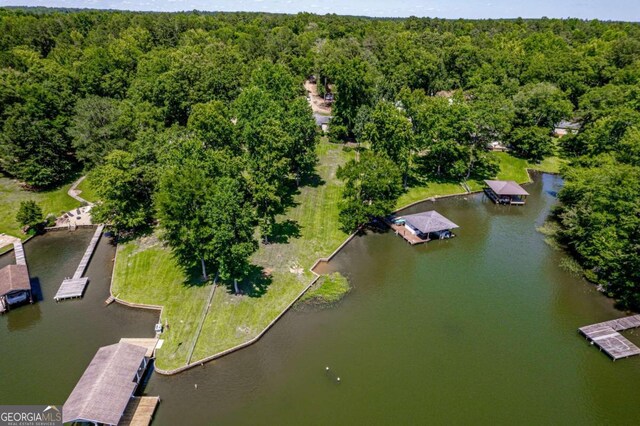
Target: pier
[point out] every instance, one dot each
(606, 336)
(74, 287)
(139, 411)
(18, 251)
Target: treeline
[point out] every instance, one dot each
(599, 214)
(189, 118)
(75, 85)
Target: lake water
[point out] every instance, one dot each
(46, 346)
(478, 329)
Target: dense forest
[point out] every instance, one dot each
(200, 120)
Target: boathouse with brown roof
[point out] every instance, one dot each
(107, 386)
(505, 192)
(15, 286)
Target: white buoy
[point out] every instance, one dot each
(338, 378)
(196, 386)
(326, 368)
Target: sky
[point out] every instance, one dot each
(621, 10)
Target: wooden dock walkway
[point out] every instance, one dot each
(404, 233)
(607, 337)
(18, 250)
(139, 411)
(74, 287)
(148, 343)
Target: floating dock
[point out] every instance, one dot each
(74, 287)
(606, 336)
(139, 411)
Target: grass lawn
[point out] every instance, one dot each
(511, 168)
(87, 191)
(549, 165)
(53, 201)
(147, 273)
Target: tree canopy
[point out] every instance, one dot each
(188, 118)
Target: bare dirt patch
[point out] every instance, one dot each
(318, 105)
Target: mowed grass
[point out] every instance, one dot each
(53, 201)
(234, 319)
(87, 190)
(147, 273)
(511, 168)
(549, 165)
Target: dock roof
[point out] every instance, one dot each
(506, 187)
(430, 221)
(14, 278)
(105, 388)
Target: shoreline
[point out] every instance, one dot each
(319, 261)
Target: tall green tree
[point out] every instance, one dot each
(372, 186)
(391, 133)
(232, 219)
(599, 217)
(541, 104)
(124, 187)
(97, 128)
(268, 168)
(531, 142)
(199, 192)
(30, 215)
(212, 124)
(354, 88)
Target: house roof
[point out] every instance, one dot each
(14, 278)
(321, 119)
(566, 124)
(505, 187)
(104, 390)
(430, 221)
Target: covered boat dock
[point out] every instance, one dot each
(106, 389)
(15, 285)
(505, 192)
(422, 227)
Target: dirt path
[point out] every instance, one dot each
(316, 101)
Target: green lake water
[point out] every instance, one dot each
(480, 329)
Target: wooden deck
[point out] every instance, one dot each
(71, 288)
(74, 287)
(139, 411)
(149, 343)
(606, 336)
(404, 233)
